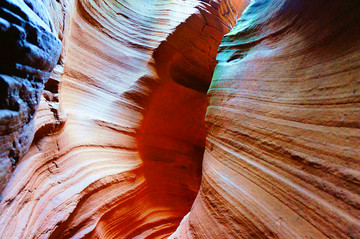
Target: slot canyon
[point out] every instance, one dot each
(180, 119)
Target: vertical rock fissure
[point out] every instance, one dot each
(172, 134)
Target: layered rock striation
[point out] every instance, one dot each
(119, 141)
(129, 141)
(282, 156)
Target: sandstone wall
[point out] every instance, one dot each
(128, 133)
(282, 156)
(119, 141)
(29, 52)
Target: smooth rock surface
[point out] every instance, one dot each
(125, 137)
(121, 134)
(282, 156)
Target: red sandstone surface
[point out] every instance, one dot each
(180, 119)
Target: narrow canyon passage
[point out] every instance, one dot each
(171, 135)
(180, 119)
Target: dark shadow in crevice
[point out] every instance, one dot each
(172, 135)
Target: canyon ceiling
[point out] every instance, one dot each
(179, 119)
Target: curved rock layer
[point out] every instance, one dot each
(126, 160)
(282, 156)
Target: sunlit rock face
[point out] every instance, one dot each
(29, 52)
(282, 156)
(120, 136)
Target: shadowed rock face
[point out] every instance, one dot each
(127, 129)
(29, 52)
